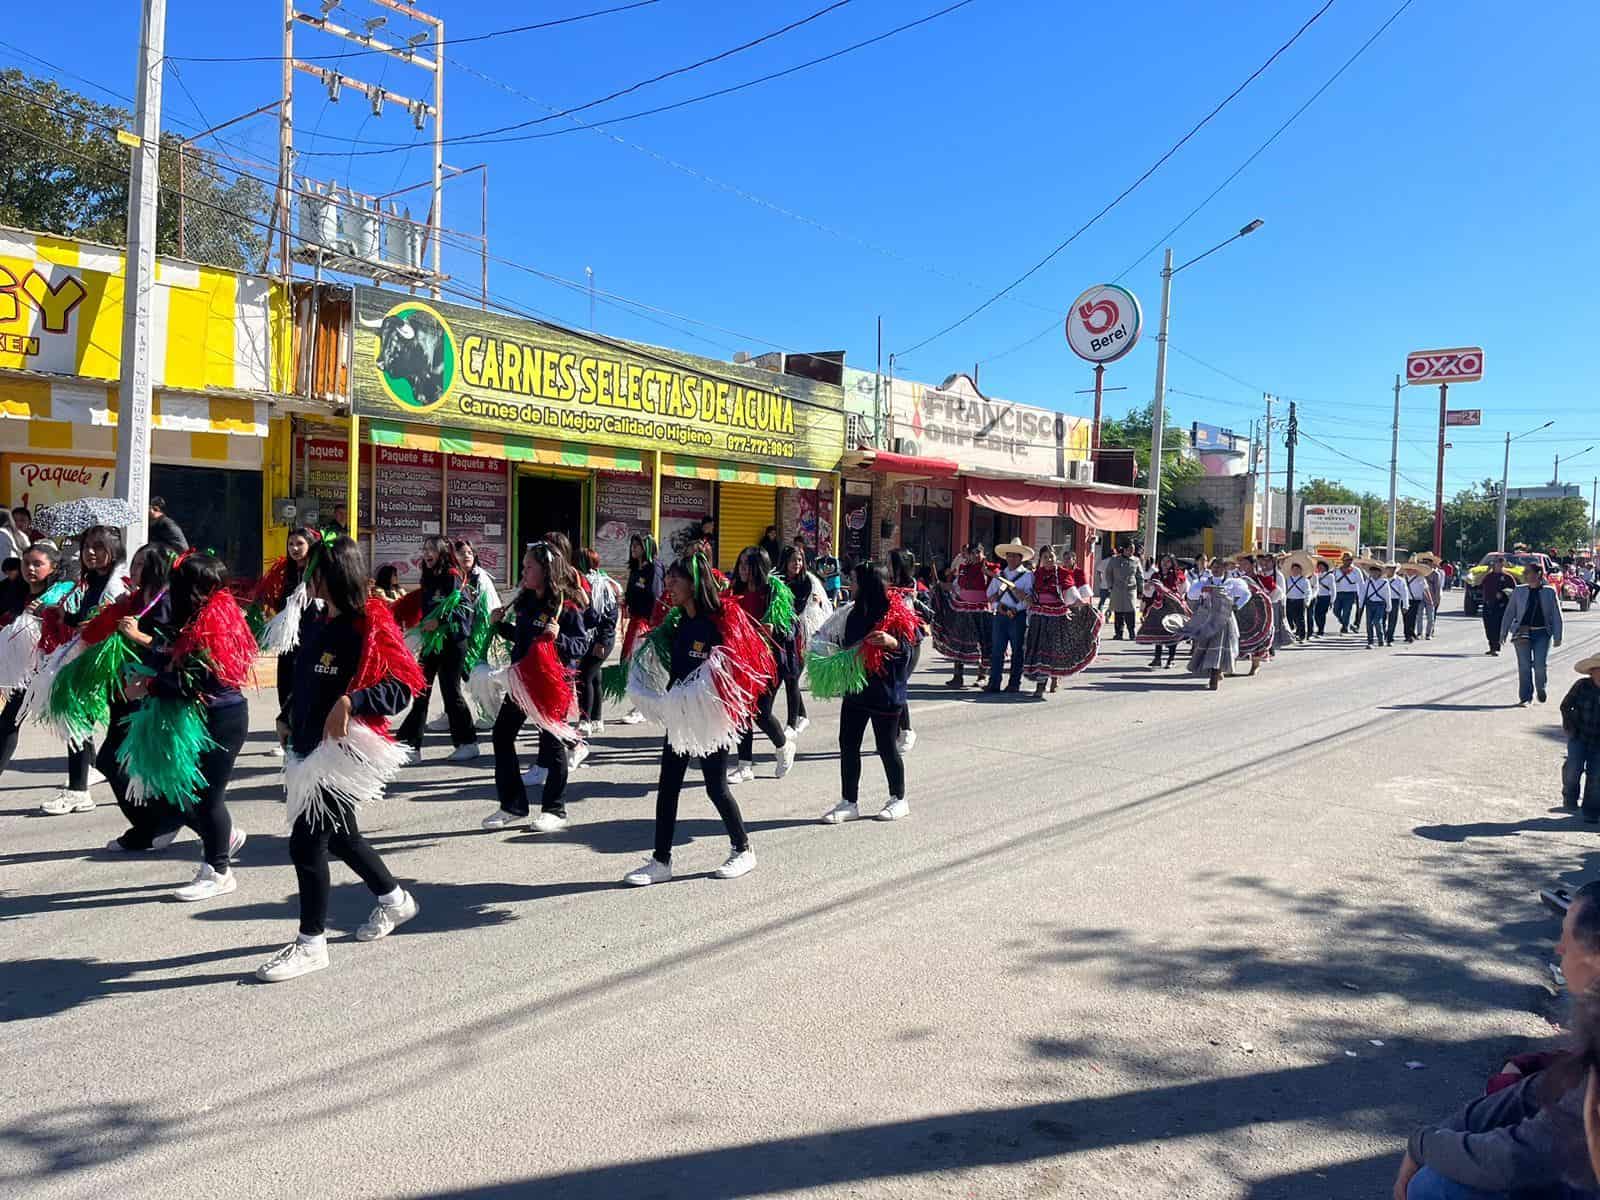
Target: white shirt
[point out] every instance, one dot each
(1237, 589)
(1418, 587)
(1376, 590)
(1325, 584)
(1004, 597)
(1399, 593)
(1296, 587)
(1347, 582)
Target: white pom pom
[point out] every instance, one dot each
(282, 633)
(486, 689)
(19, 651)
(342, 774)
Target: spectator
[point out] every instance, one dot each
(1532, 625)
(1126, 579)
(22, 520)
(807, 555)
(1580, 717)
(770, 543)
(1526, 1140)
(1496, 588)
(12, 540)
(164, 530)
(341, 519)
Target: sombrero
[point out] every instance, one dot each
(1013, 547)
(1425, 559)
(1307, 560)
(1174, 622)
(1367, 564)
(1584, 665)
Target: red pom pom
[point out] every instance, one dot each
(542, 682)
(899, 623)
(54, 632)
(742, 640)
(221, 633)
(269, 591)
(385, 655)
(407, 610)
(104, 623)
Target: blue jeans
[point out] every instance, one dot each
(1428, 1184)
(1583, 758)
(1378, 621)
(1344, 604)
(1007, 631)
(1532, 650)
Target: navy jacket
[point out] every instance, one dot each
(886, 691)
(329, 656)
(522, 626)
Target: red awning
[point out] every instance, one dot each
(886, 462)
(1117, 512)
(1015, 496)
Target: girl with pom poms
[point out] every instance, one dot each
(443, 618)
(770, 604)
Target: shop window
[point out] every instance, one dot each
(218, 510)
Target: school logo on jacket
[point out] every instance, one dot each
(326, 664)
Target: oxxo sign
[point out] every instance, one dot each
(1461, 365)
(1104, 323)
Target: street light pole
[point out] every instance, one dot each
(1505, 478)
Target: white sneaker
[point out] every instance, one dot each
(549, 822)
(786, 753)
(158, 843)
(908, 739)
(207, 884)
(386, 918)
(743, 773)
(740, 862)
(845, 810)
(803, 724)
(894, 810)
(533, 776)
(501, 819)
(464, 753)
(294, 960)
(275, 750)
(95, 776)
(580, 755)
(584, 727)
(652, 870)
(597, 727)
(67, 801)
(236, 841)
(634, 718)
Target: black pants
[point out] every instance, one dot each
(309, 847)
(10, 724)
(285, 679)
(1295, 610)
(446, 667)
(715, 769)
(1319, 614)
(590, 695)
(208, 816)
(1122, 619)
(1412, 614)
(905, 709)
(145, 821)
(508, 785)
(1394, 621)
(768, 725)
(853, 722)
(793, 699)
(1172, 652)
(1493, 614)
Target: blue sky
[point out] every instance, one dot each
(1441, 193)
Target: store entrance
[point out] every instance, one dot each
(925, 532)
(547, 503)
(993, 529)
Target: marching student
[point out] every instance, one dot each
(605, 612)
(1063, 625)
(811, 608)
(701, 674)
(1419, 603)
(864, 654)
(1325, 586)
(770, 604)
(1297, 592)
(191, 718)
(1008, 591)
(963, 631)
(25, 604)
(1348, 593)
(642, 597)
(1376, 597)
(903, 583)
(1399, 597)
(446, 623)
(1213, 630)
(549, 639)
(354, 671)
(279, 607)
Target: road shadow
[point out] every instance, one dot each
(43, 987)
(1493, 829)
(1445, 707)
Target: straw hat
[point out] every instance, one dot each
(1307, 560)
(1013, 547)
(1426, 559)
(1367, 564)
(1584, 665)
(1174, 622)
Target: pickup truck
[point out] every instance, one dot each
(1572, 589)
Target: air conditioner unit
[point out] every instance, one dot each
(1080, 470)
(907, 447)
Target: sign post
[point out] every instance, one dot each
(1103, 324)
(1463, 364)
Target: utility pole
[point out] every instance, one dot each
(877, 393)
(1255, 450)
(1158, 409)
(1266, 487)
(1594, 494)
(133, 388)
(1288, 491)
(1500, 519)
(1394, 468)
(589, 271)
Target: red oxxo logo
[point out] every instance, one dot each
(1462, 365)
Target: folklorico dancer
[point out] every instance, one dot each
(1254, 611)
(549, 637)
(1063, 626)
(280, 605)
(1213, 630)
(863, 654)
(642, 599)
(811, 608)
(1297, 593)
(191, 720)
(1324, 588)
(1418, 601)
(1399, 597)
(962, 632)
(770, 604)
(354, 671)
(1165, 611)
(1009, 589)
(32, 627)
(442, 620)
(701, 674)
(903, 582)
(1375, 600)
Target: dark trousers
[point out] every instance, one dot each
(309, 847)
(794, 700)
(1377, 621)
(1172, 652)
(285, 679)
(768, 725)
(715, 769)
(1009, 631)
(1394, 621)
(446, 667)
(853, 722)
(208, 816)
(508, 785)
(1295, 610)
(905, 709)
(1319, 614)
(1412, 615)
(145, 821)
(78, 760)
(1582, 767)
(1493, 614)
(590, 696)
(1122, 619)
(10, 724)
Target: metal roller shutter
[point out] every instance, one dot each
(744, 511)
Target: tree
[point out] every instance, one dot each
(1132, 432)
(62, 172)
(1556, 526)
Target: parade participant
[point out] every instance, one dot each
(1399, 598)
(475, 581)
(1580, 721)
(1375, 601)
(100, 583)
(1008, 591)
(1268, 582)
(642, 598)
(811, 609)
(1063, 624)
(863, 653)
(770, 604)
(963, 631)
(1436, 585)
(446, 625)
(1418, 600)
(1297, 592)
(354, 672)
(904, 582)
(1532, 624)
(1324, 587)
(191, 718)
(280, 605)
(700, 674)
(1495, 588)
(386, 583)
(605, 610)
(25, 604)
(1102, 582)
(1125, 577)
(1165, 593)
(1213, 633)
(1347, 585)
(549, 641)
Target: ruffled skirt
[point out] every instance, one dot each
(1058, 645)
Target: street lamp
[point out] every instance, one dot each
(1158, 412)
(1505, 475)
(1556, 482)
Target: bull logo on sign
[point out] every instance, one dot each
(416, 354)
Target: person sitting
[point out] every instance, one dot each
(1526, 1140)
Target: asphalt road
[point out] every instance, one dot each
(1138, 940)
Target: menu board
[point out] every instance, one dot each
(410, 487)
(621, 509)
(321, 470)
(684, 503)
(476, 501)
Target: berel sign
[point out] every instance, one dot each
(1104, 323)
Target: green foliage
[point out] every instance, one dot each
(1133, 432)
(65, 173)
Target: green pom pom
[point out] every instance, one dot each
(477, 649)
(614, 681)
(162, 750)
(659, 642)
(80, 697)
(256, 617)
(433, 641)
(841, 673)
(780, 605)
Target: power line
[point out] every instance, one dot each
(484, 139)
(1154, 167)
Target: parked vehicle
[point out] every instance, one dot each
(1567, 587)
